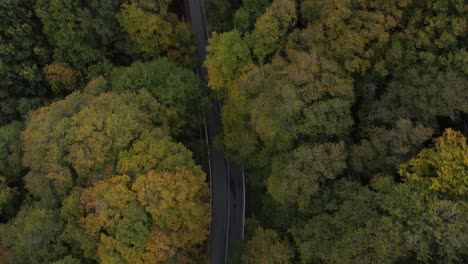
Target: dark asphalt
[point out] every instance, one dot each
(226, 179)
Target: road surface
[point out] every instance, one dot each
(226, 180)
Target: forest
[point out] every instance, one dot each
(350, 118)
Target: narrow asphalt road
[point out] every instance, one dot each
(226, 180)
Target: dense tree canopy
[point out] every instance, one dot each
(422, 218)
(266, 247)
(125, 190)
(346, 115)
(171, 85)
(154, 32)
(324, 100)
(23, 52)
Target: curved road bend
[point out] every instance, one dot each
(226, 179)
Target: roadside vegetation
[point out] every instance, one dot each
(345, 115)
(349, 116)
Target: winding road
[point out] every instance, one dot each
(227, 185)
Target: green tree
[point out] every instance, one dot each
(265, 247)
(171, 85)
(34, 235)
(352, 32)
(297, 176)
(271, 29)
(11, 168)
(81, 33)
(219, 14)
(6, 194)
(228, 54)
(247, 14)
(347, 226)
(419, 220)
(421, 95)
(286, 103)
(383, 150)
(23, 50)
(10, 150)
(152, 35)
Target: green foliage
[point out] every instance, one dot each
(421, 219)
(350, 229)
(352, 32)
(66, 27)
(6, 194)
(93, 140)
(171, 85)
(27, 104)
(267, 247)
(219, 14)
(23, 50)
(10, 150)
(82, 135)
(297, 176)
(285, 103)
(247, 14)
(153, 35)
(422, 95)
(11, 168)
(34, 235)
(272, 28)
(383, 150)
(228, 55)
(67, 260)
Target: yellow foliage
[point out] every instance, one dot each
(444, 168)
(61, 77)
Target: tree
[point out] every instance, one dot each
(285, 103)
(228, 54)
(61, 77)
(153, 35)
(157, 213)
(23, 50)
(353, 33)
(11, 168)
(422, 95)
(383, 150)
(219, 13)
(81, 33)
(271, 29)
(421, 219)
(67, 33)
(6, 194)
(247, 14)
(82, 136)
(125, 190)
(297, 176)
(10, 151)
(177, 204)
(443, 168)
(171, 85)
(34, 235)
(266, 246)
(351, 228)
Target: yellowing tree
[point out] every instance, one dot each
(153, 35)
(82, 135)
(444, 168)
